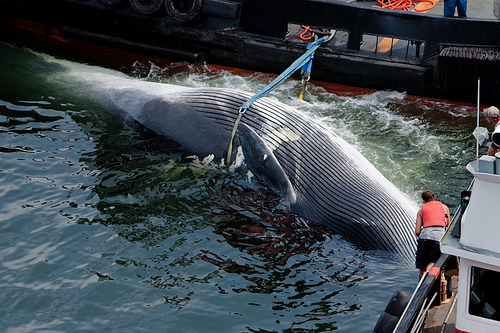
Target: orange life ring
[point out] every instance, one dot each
(184, 10)
(146, 6)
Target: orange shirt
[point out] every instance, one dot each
(433, 214)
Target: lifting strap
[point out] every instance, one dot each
(305, 72)
(299, 63)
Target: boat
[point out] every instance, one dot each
(470, 302)
(418, 51)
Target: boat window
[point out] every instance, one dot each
(389, 46)
(484, 300)
(299, 34)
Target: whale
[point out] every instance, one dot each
(319, 176)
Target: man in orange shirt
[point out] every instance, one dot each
(432, 220)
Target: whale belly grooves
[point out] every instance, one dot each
(332, 183)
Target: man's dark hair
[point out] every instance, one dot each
(428, 195)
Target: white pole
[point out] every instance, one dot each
(411, 299)
(478, 90)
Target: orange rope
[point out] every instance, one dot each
(425, 5)
(307, 29)
(396, 4)
(406, 4)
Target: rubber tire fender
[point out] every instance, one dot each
(184, 10)
(111, 3)
(397, 304)
(386, 323)
(146, 6)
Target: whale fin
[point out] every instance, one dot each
(262, 162)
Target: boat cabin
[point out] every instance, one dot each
(474, 239)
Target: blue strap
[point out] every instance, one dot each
(304, 60)
(300, 62)
(307, 67)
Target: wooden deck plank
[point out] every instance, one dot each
(441, 318)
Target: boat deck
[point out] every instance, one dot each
(389, 47)
(476, 9)
(441, 318)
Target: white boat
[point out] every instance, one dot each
(478, 249)
(472, 241)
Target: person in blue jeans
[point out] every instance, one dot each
(450, 5)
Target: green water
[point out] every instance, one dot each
(108, 227)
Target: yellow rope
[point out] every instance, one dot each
(233, 133)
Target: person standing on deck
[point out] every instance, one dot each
(492, 115)
(432, 220)
(450, 5)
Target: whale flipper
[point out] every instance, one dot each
(261, 161)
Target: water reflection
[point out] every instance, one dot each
(137, 230)
(157, 196)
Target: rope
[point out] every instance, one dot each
(307, 29)
(305, 73)
(396, 4)
(425, 5)
(406, 4)
(300, 62)
(233, 133)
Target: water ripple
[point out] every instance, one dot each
(108, 227)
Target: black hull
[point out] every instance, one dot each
(437, 57)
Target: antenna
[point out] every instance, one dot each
(480, 133)
(477, 125)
